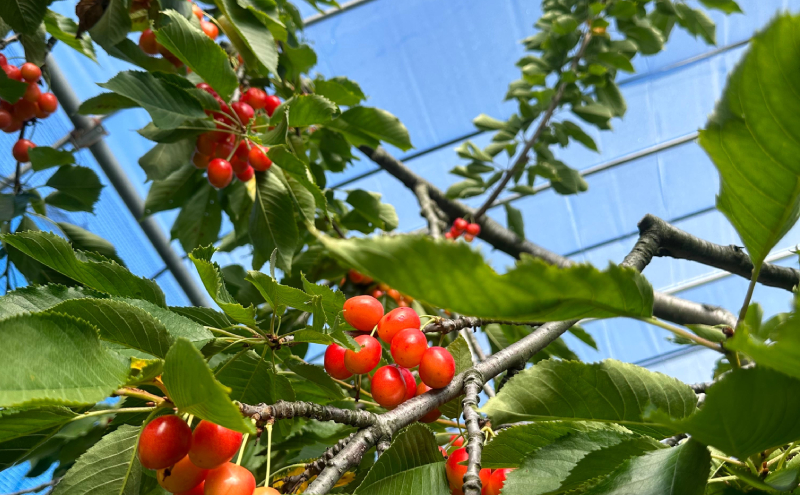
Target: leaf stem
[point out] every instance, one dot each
(269, 451)
(104, 412)
(723, 478)
(683, 333)
(241, 451)
(782, 458)
(728, 459)
(139, 394)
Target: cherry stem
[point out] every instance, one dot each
(139, 394)
(241, 451)
(114, 411)
(269, 451)
(189, 420)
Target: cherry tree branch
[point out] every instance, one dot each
(446, 326)
(428, 210)
(313, 468)
(263, 413)
(472, 479)
(477, 352)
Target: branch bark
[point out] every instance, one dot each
(472, 479)
(428, 210)
(475, 349)
(313, 468)
(447, 326)
(287, 410)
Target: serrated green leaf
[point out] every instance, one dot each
(178, 325)
(83, 240)
(130, 52)
(175, 190)
(782, 354)
(44, 157)
(108, 277)
(200, 219)
(608, 391)
(252, 380)
(245, 28)
(278, 295)
(69, 365)
(114, 24)
(368, 205)
(377, 124)
(697, 23)
(298, 170)
(616, 60)
(272, 224)
(317, 375)
(727, 6)
(105, 103)
(306, 110)
(11, 90)
(64, 29)
(312, 337)
(22, 431)
(76, 188)
(340, 90)
(203, 316)
(193, 388)
(436, 272)
(514, 220)
(215, 286)
(24, 16)
(33, 299)
(165, 158)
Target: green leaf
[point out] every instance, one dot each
(565, 180)
(22, 431)
(277, 295)
(459, 349)
(577, 133)
(575, 459)
(64, 29)
(24, 16)
(200, 219)
(616, 60)
(727, 6)
(33, 299)
(368, 205)
(594, 113)
(76, 188)
(340, 90)
(412, 464)
(298, 170)
(437, 272)
(736, 403)
(514, 220)
(167, 104)
(648, 38)
(203, 316)
(312, 337)
(608, 391)
(199, 52)
(194, 390)
(83, 240)
(114, 25)
(248, 30)
(317, 375)
(215, 285)
(69, 365)
(44, 157)
(175, 190)
(106, 276)
(306, 110)
(111, 466)
(377, 124)
(297, 61)
(272, 224)
(178, 325)
(697, 23)
(754, 136)
(783, 354)
(610, 96)
(681, 470)
(35, 45)
(253, 380)
(105, 103)
(11, 90)
(130, 52)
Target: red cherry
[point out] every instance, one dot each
(30, 72)
(455, 471)
(3, 59)
(148, 43)
(213, 445)
(41, 114)
(363, 312)
(164, 441)
(377, 293)
(468, 237)
(208, 89)
(197, 11)
(266, 490)
(358, 278)
(20, 153)
(257, 156)
(365, 359)
(5, 119)
(246, 174)
(244, 111)
(408, 346)
(238, 165)
(460, 224)
(230, 479)
(411, 383)
(243, 150)
(457, 440)
(394, 294)
(430, 416)
(210, 29)
(48, 102)
(206, 143)
(200, 160)
(448, 235)
(334, 362)
(13, 72)
(473, 229)
(437, 367)
(224, 149)
(486, 475)
(197, 490)
(32, 93)
(24, 110)
(181, 477)
(396, 320)
(256, 98)
(14, 126)
(388, 387)
(272, 102)
(220, 173)
(496, 481)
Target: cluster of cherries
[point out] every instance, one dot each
(34, 104)
(461, 226)
(492, 481)
(394, 384)
(380, 289)
(149, 44)
(196, 463)
(221, 153)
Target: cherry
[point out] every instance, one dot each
(181, 477)
(448, 235)
(213, 445)
(257, 156)
(20, 152)
(256, 98)
(197, 490)
(485, 475)
(437, 367)
(246, 174)
(14, 126)
(457, 440)
(468, 237)
(197, 11)
(243, 111)
(3, 59)
(243, 150)
(365, 359)
(394, 294)
(430, 416)
(473, 229)
(334, 362)
(411, 383)
(164, 441)
(224, 149)
(24, 110)
(496, 481)
(206, 143)
(238, 165)
(30, 72)
(363, 312)
(148, 43)
(271, 103)
(460, 224)
(377, 293)
(5, 119)
(220, 173)
(48, 102)
(41, 114)
(32, 93)
(388, 387)
(200, 160)
(210, 29)
(408, 346)
(396, 320)
(266, 490)
(455, 471)
(230, 479)
(13, 72)
(208, 89)
(358, 278)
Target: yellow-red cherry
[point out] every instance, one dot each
(496, 482)
(408, 346)
(437, 367)
(486, 475)
(32, 93)
(411, 383)
(211, 29)
(197, 490)
(363, 312)
(148, 43)
(20, 150)
(395, 320)
(334, 362)
(181, 477)
(266, 490)
(257, 156)
(230, 479)
(164, 441)
(213, 445)
(388, 387)
(30, 72)
(432, 415)
(365, 359)
(455, 471)
(48, 102)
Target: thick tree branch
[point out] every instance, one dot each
(446, 326)
(472, 387)
(428, 211)
(659, 238)
(287, 410)
(522, 158)
(313, 468)
(477, 352)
